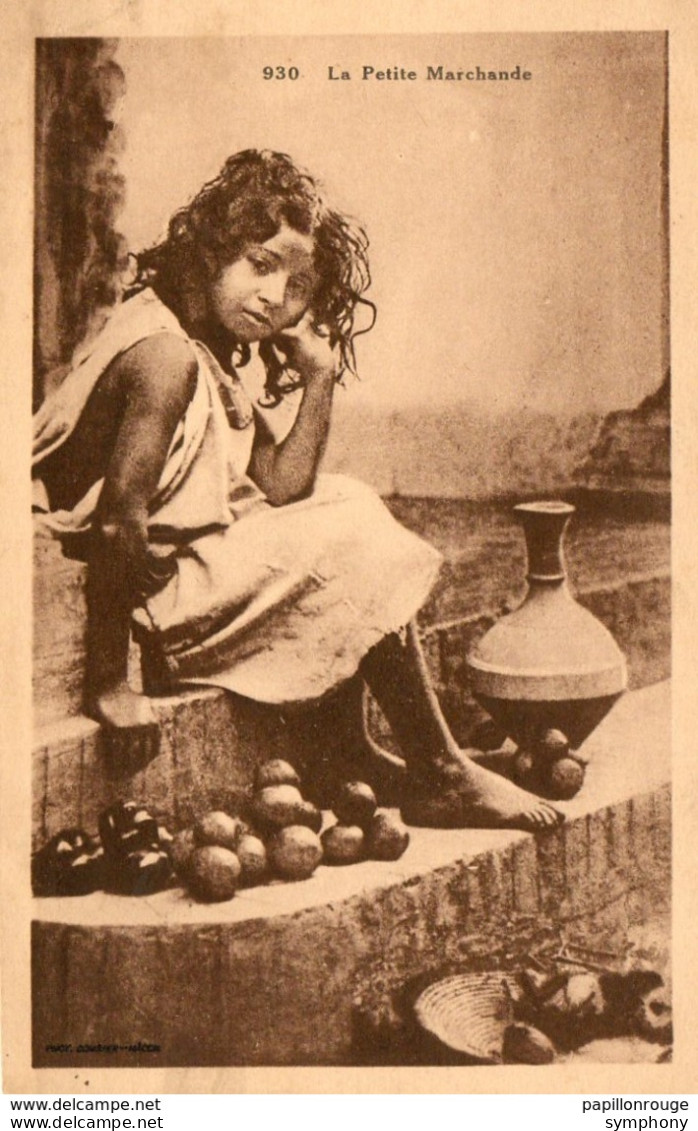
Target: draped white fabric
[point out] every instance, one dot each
(275, 603)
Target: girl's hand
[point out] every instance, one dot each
(159, 567)
(146, 569)
(306, 348)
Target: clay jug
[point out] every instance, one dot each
(550, 664)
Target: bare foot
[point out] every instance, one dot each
(500, 761)
(130, 727)
(469, 796)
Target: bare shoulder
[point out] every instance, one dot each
(157, 371)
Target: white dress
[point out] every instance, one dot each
(278, 604)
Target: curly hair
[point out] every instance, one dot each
(255, 192)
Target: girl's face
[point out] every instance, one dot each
(268, 288)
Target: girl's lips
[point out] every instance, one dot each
(260, 319)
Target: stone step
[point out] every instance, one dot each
(209, 744)
(636, 610)
(210, 741)
(321, 972)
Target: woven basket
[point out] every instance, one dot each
(468, 1013)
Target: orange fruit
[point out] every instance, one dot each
(355, 804)
(553, 745)
(387, 837)
(309, 814)
(343, 844)
(253, 859)
(523, 766)
(213, 873)
(275, 772)
(181, 850)
(295, 852)
(218, 828)
(278, 806)
(566, 777)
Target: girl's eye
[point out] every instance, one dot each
(261, 266)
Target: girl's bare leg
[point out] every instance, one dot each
(129, 719)
(329, 744)
(449, 788)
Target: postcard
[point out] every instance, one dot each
(343, 749)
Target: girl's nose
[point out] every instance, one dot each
(272, 288)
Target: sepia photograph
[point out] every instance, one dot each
(351, 523)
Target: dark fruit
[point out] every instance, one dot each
(165, 838)
(218, 828)
(295, 852)
(275, 772)
(523, 1044)
(126, 827)
(87, 872)
(652, 1017)
(355, 804)
(213, 873)
(387, 837)
(581, 995)
(54, 868)
(343, 844)
(142, 872)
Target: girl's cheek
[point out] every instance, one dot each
(293, 315)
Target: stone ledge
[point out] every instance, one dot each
(238, 983)
(209, 746)
(637, 610)
(210, 741)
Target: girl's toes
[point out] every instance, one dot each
(551, 817)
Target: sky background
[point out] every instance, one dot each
(517, 242)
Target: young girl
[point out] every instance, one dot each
(239, 566)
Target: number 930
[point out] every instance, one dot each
(281, 73)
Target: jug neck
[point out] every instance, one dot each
(544, 525)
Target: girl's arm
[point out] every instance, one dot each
(155, 381)
(287, 471)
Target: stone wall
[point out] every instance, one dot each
(79, 191)
(632, 451)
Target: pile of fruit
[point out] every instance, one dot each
(279, 836)
(550, 768)
(130, 857)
